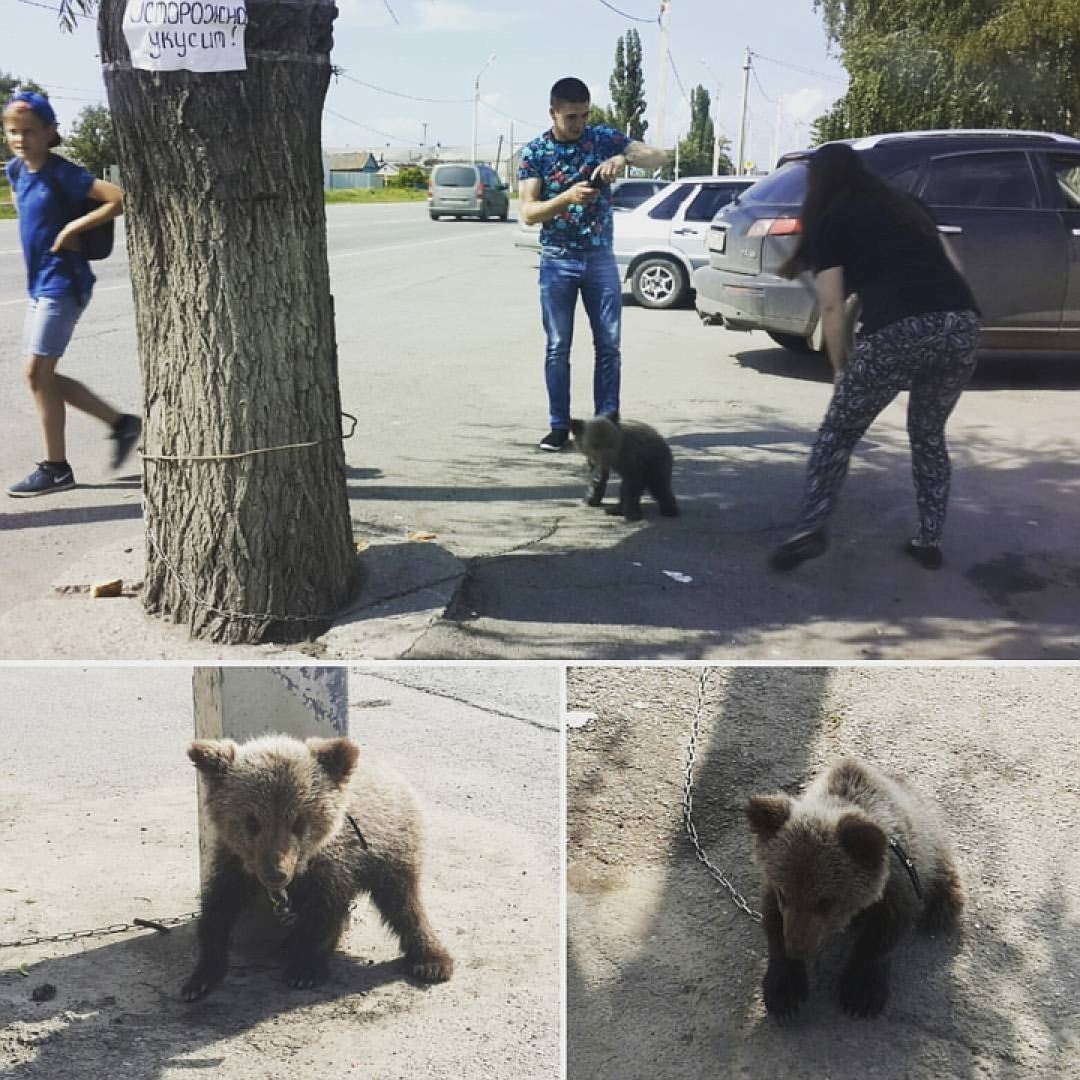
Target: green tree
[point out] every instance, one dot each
(627, 87)
(246, 512)
(696, 150)
(601, 114)
(408, 176)
(939, 63)
(92, 140)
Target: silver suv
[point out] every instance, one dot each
(1006, 202)
(467, 191)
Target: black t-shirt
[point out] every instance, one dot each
(896, 269)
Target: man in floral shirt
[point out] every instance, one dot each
(565, 176)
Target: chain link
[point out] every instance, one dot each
(161, 925)
(688, 805)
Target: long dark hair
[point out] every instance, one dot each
(836, 172)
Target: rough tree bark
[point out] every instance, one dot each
(226, 232)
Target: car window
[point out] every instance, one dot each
(668, 207)
(906, 179)
(455, 176)
(709, 200)
(988, 181)
(1065, 168)
(785, 187)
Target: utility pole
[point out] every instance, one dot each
(423, 145)
(677, 141)
(510, 159)
(716, 122)
(776, 133)
(476, 102)
(661, 95)
(739, 167)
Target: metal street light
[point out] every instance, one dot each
(716, 122)
(476, 102)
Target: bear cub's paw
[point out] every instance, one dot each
(863, 990)
(201, 981)
(784, 987)
(433, 966)
(307, 968)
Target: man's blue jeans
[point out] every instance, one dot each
(564, 274)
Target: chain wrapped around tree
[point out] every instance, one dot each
(248, 533)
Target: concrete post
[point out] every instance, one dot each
(242, 702)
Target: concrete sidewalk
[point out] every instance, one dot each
(665, 972)
(98, 810)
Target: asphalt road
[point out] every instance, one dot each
(98, 814)
(441, 349)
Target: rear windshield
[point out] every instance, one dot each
(785, 187)
(455, 176)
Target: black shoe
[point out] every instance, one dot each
(125, 434)
(927, 556)
(797, 549)
(555, 439)
(46, 478)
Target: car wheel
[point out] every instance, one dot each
(504, 216)
(435, 217)
(792, 343)
(658, 283)
(483, 212)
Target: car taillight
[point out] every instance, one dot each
(780, 226)
(480, 188)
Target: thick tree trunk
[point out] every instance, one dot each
(226, 232)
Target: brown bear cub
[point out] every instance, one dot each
(302, 828)
(637, 452)
(856, 850)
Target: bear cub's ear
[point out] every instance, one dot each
(214, 757)
(336, 758)
(577, 428)
(768, 814)
(862, 840)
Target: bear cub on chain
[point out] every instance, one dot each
(856, 850)
(637, 452)
(302, 828)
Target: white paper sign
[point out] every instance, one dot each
(194, 35)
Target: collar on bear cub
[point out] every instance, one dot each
(907, 864)
(279, 898)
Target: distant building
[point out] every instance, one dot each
(351, 169)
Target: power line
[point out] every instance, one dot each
(37, 4)
(393, 14)
(795, 67)
(368, 127)
(678, 81)
(753, 71)
(517, 120)
(398, 93)
(626, 15)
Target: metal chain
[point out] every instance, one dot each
(161, 925)
(688, 805)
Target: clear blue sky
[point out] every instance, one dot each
(435, 48)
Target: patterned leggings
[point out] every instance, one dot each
(933, 355)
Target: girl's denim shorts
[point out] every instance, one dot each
(50, 322)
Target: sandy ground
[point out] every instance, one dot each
(665, 972)
(98, 818)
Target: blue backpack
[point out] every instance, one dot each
(95, 243)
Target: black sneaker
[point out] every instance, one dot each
(47, 477)
(125, 433)
(555, 439)
(797, 549)
(928, 556)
